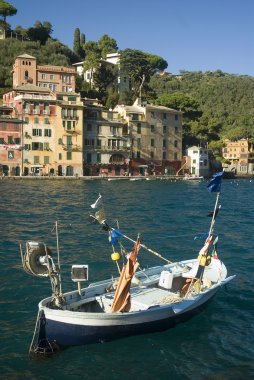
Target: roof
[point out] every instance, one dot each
(32, 88)
(25, 56)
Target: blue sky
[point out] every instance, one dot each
(190, 35)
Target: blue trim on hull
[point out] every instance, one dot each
(64, 334)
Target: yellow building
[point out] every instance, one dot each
(236, 151)
(155, 133)
(69, 135)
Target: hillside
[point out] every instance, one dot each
(224, 103)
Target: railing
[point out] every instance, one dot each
(72, 147)
(107, 148)
(73, 131)
(69, 117)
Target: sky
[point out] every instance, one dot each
(191, 35)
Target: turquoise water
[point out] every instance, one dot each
(217, 344)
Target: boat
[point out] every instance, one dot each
(137, 301)
(192, 178)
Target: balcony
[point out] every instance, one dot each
(73, 131)
(72, 148)
(111, 149)
(69, 117)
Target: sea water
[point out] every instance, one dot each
(216, 344)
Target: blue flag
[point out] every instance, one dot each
(113, 236)
(215, 184)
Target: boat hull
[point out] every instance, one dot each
(82, 328)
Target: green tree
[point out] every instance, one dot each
(6, 10)
(92, 61)
(140, 67)
(77, 46)
(40, 32)
(107, 45)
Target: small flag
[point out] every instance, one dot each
(215, 184)
(97, 203)
(113, 236)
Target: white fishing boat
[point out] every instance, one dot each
(136, 302)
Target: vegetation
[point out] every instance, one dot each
(6, 10)
(216, 105)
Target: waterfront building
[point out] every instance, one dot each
(55, 78)
(10, 143)
(68, 152)
(155, 133)
(106, 148)
(198, 161)
(237, 154)
(37, 108)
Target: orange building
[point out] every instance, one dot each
(236, 151)
(55, 78)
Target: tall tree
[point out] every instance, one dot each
(6, 10)
(107, 45)
(92, 61)
(40, 32)
(77, 48)
(140, 67)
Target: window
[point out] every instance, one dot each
(69, 140)
(64, 124)
(176, 129)
(98, 157)
(60, 156)
(37, 132)
(98, 143)
(164, 129)
(46, 160)
(43, 76)
(27, 146)
(1, 140)
(68, 125)
(151, 155)
(46, 146)
(17, 140)
(164, 155)
(27, 120)
(152, 128)
(138, 154)
(152, 142)
(47, 132)
(176, 117)
(36, 120)
(72, 98)
(51, 76)
(139, 143)
(68, 155)
(164, 143)
(46, 120)
(68, 112)
(10, 154)
(175, 156)
(3, 125)
(134, 116)
(89, 127)
(164, 116)
(88, 158)
(139, 128)
(175, 143)
(36, 159)
(74, 112)
(37, 146)
(98, 129)
(10, 141)
(26, 75)
(16, 126)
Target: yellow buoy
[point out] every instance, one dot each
(115, 256)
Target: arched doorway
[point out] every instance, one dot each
(51, 172)
(69, 171)
(26, 170)
(60, 170)
(17, 171)
(6, 170)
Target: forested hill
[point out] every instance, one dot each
(216, 105)
(52, 53)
